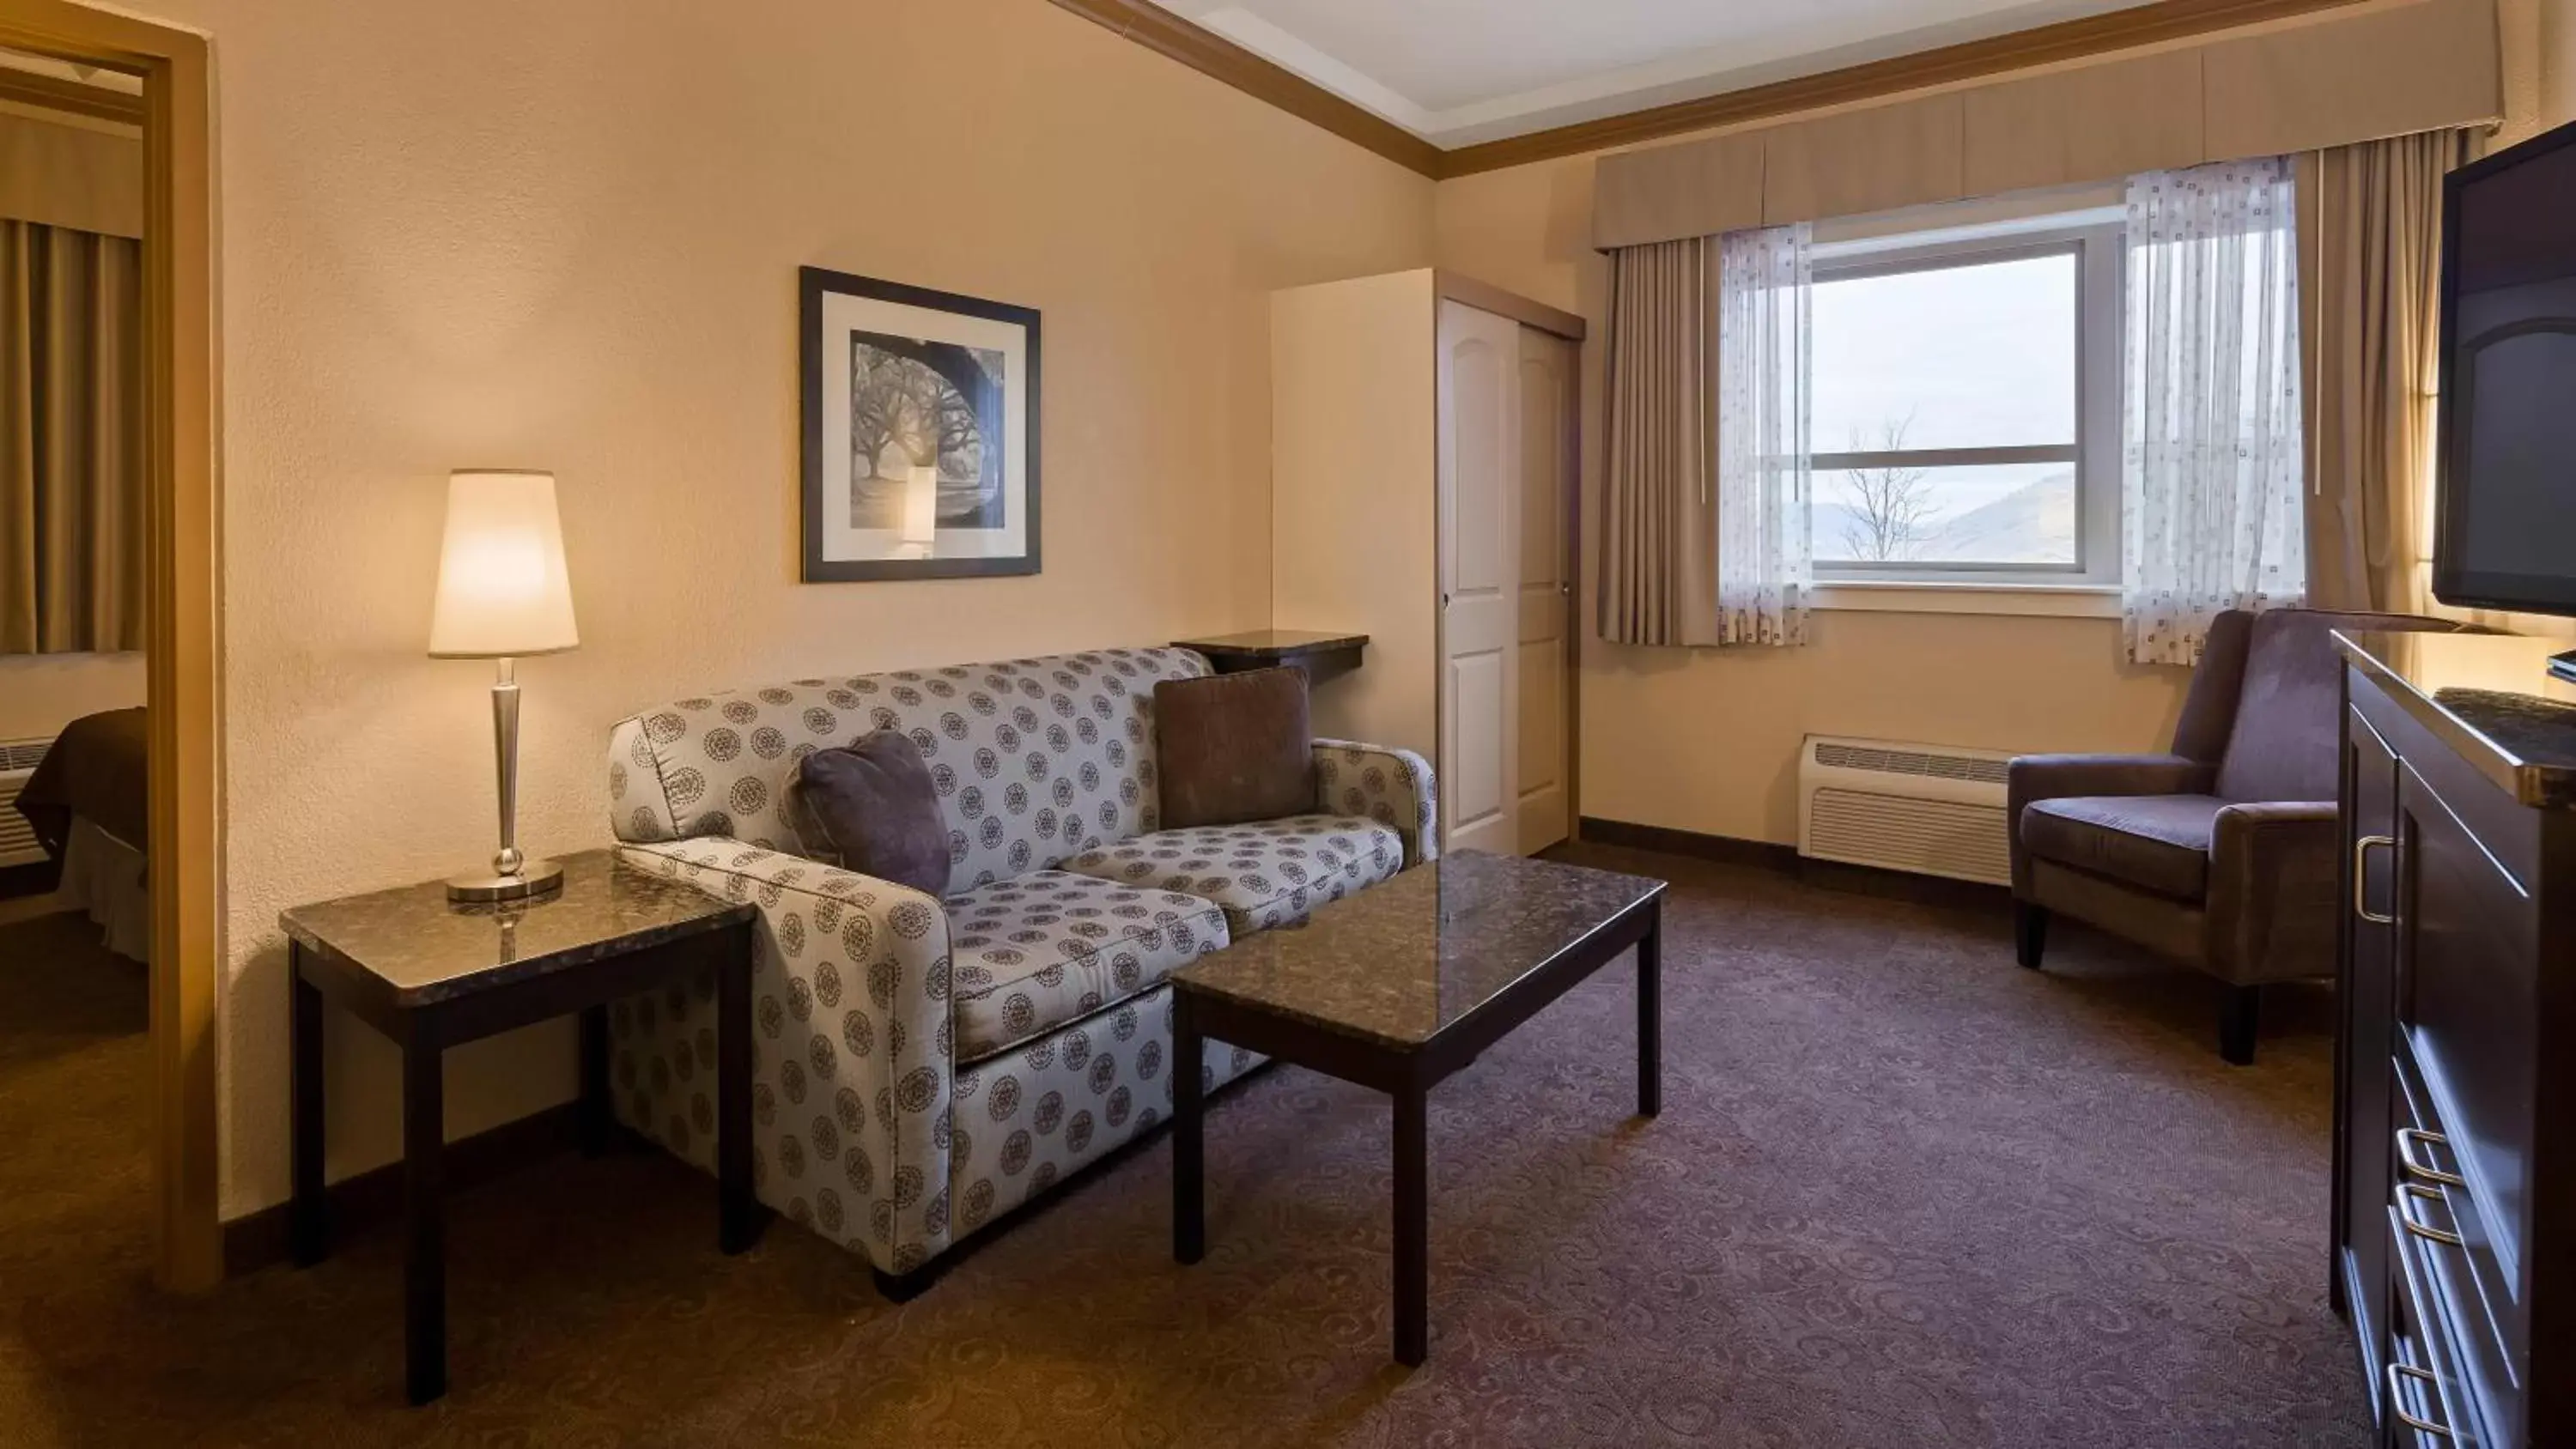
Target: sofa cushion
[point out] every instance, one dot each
(1040, 950)
(1034, 759)
(2156, 843)
(1267, 873)
(869, 806)
(1234, 747)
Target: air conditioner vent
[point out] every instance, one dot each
(1898, 761)
(1927, 809)
(18, 838)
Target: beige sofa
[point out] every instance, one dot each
(925, 1065)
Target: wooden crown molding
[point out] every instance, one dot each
(54, 94)
(1210, 54)
(2161, 22)
(2156, 23)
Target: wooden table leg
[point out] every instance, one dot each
(596, 1115)
(741, 1216)
(425, 1213)
(1650, 1015)
(1412, 1226)
(1189, 1137)
(309, 1220)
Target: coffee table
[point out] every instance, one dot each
(1397, 988)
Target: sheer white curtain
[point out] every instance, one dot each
(1764, 569)
(2211, 491)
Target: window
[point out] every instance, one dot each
(1965, 406)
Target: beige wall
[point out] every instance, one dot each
(1707, 740)
(41, 693)
(565, 235)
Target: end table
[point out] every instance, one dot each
(1322, 656)
(430, 974)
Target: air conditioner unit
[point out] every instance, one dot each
(17, 838)
(1928, 809)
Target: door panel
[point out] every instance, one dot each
(2465, 1014)
(1476, 745)
(1480, 516)
(1545, 703)
(2367, 997)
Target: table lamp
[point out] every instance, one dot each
(503, 594)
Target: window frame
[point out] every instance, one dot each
(2099, 247)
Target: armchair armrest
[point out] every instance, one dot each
(2032, 778)
(1393, 787)
(2274, 879)
(852, 1052)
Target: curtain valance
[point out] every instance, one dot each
(2352, 75)
(70, 176)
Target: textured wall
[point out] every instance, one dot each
(565, 235)
(1707, 740)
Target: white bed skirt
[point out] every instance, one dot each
(104, 876)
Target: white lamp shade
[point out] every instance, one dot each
(502, 586)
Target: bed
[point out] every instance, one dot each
(89, 805)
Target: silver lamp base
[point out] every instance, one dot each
(535, 878)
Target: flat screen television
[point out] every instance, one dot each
(2505, 522)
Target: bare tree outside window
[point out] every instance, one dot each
(1890, 514)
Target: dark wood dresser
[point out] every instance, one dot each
(2455, 1061)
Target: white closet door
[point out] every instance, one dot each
(1480, 569)
(1547, 464)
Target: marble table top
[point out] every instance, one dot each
(1273, 644)
(2490, 697)
(1400, 962)
(423, 948)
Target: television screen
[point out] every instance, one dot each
(2505, 535)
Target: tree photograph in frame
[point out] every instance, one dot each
(921, 418)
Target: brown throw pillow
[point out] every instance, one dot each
(869, 806)
(1234, 747)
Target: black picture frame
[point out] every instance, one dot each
(814, 286)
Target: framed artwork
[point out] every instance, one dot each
(921, 432)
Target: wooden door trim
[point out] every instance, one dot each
(2158, 22)
(1486, 297)
(184, 633)
(53, 93)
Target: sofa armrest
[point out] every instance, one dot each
(2274, 889)
(852, 1049)
(2032, 778)
(1393, 787)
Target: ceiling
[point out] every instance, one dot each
(1457, 72)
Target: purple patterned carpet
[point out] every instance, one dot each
(1902, 1194)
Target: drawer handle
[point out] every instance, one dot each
(2361, 880)
(2398, 1374)
(2407, 1137)
(2410, 1192)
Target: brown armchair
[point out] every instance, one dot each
(2221, 853)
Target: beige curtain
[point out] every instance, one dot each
(1659, 492)
(2370, 226)
(71, 457)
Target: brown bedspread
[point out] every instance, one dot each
(94, 769)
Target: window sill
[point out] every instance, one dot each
(2069, 601)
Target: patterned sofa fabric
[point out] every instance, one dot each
(1030, 1116)
(1036, 760)
(868, 995)
(1040, 950)
(851, 1049)
(1393, 787)
(1265, 874)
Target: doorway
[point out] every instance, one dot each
(157, 78)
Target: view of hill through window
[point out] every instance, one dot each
(1911, 370)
